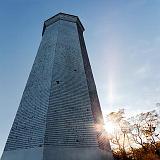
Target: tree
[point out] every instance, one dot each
(135, 136)
(144, 129)
(120, 135)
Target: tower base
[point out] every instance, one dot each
(57, 153)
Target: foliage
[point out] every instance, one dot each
(136, 137)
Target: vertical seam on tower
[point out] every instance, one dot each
(50, 90)
(80, 44)
(83, 48)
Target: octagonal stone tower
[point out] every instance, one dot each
(59, 117)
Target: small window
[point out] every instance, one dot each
(57, 82)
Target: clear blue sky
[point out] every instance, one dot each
(123, 42)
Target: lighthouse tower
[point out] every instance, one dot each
(59, 116)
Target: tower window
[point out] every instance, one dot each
(57, 82)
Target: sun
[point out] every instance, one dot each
(110, 127)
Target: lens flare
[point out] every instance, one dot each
(109, 127)
(110, 94)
